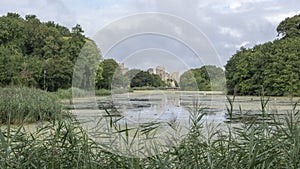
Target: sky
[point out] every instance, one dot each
(177, 34)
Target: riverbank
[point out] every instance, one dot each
(180, 91)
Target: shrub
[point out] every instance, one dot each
(102, 92)
(71, 92)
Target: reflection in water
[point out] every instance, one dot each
(144, 122)
(158, 107)
(137, 108)
(134, 122)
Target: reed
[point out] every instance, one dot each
(64, 143)
(19, 103)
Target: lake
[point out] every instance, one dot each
(128, 122)
(150, 107)
(165, 106)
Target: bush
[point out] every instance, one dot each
(102, 92)
(20, 103)
(64, 93)
(71, 92)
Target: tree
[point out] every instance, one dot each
(29, 46)
(140, 78)
(216, 77)
(290, 27)
(59, 73)
(275, 66)
(12, 31)
(207, 77)
(35, 33)
(77, 29)
(31, 72)
(87, 70)
(156, 81)
(109, 67)
(188, 81)
(10, 66)
(132, 73)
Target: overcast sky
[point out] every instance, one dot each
(223, 26)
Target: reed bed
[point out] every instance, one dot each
(20, 103)
(63, 143)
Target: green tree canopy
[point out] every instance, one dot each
(145, 79)
(205, 78)
(110, 68)
(274, 66)
(29, 46)
(132, 73)
(290, 27)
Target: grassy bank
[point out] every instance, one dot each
(20, 103)
(64, 144)
(77, 93)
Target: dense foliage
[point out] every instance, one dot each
(111, 75)
(144, 78)
(43, 55)
(31, 50)
(273, 66)
(204, 79)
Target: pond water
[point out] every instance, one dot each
(125, 122)
(151, 107)
(171, 106)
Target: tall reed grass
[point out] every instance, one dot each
(20, 103)
(77, 93)
(71, 92)
(64, 144)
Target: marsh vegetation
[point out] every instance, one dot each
(64, 142)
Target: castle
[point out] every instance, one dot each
(160, 71)
(123, 68)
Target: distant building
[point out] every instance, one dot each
(160, 71)
(150, 71)
(167, 76)
(175, 76)
(123, 68)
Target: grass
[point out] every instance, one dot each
(65, 144)
(148, 88)
(77, 93)
(20, 103)
(71, 92)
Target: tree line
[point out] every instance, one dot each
(272, 68)
(43, 55)
(39, 54)
(110, 76)
(206, 78)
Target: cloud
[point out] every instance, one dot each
(45, 10)
(275, 19)
(235, 5)
(226, 24)
(230, 31)
(243, 44)
(157, 31)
